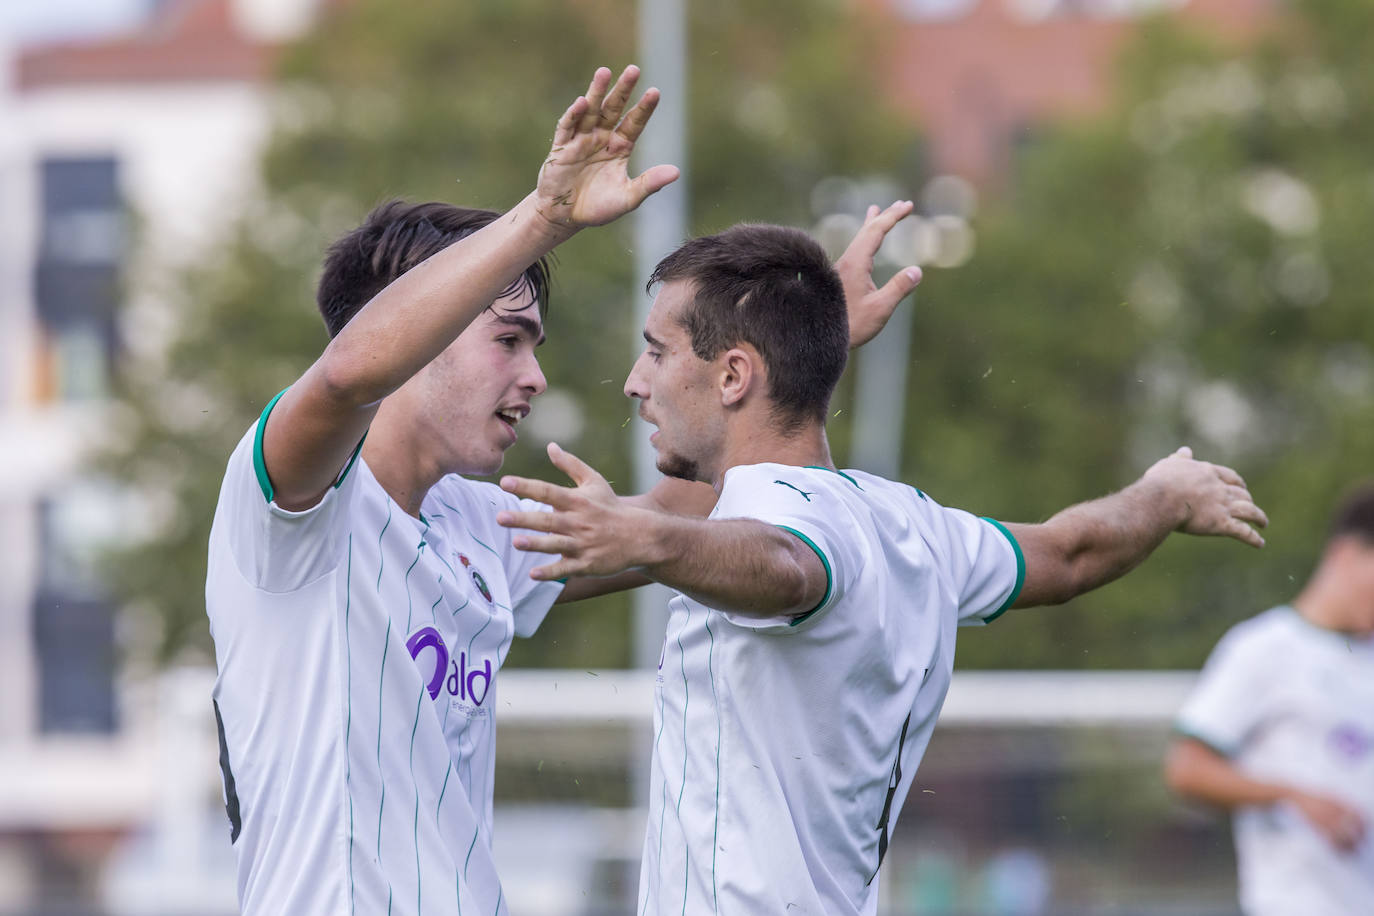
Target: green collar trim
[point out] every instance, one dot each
(819, 467)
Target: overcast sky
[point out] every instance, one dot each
(23, 21)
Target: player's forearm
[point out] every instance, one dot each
(1090, 544)
(410, 322)
(1197, 772)
(580, 588)
(736, 565)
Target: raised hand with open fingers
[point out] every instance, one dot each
(870, 306)
(595, 532)
(585, 180)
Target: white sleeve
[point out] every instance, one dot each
(983, 560)
(804, 511)
(1228, 703)
(276, 549)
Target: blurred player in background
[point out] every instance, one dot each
(1280, 731)
(811, 642)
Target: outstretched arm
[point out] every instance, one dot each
(738, 565)
(1194, 770)
(583, 182)
(1092, 543)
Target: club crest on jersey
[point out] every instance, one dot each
(477, 579)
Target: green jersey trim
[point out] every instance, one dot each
(829, 576)
(1020, 571)
(821, 467)
(1180, 731)
(260, 465)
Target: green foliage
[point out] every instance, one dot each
(1190, 269)
(457, 101)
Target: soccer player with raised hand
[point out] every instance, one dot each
(360, 594)
(811, 640)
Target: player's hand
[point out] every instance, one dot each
(870, 306)
(596, 532)
(1212, 497)
(1337, 821)
(585, 180)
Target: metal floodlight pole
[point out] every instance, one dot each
(660, 226)
(880, 397)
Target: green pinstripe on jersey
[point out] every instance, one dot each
(411, 568)
(715, 704)
(348, 722)
(381, 554)
(381, 719)
(415, 829)
(686, 701)
(662, 804)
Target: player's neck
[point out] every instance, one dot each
(1323, 603)
(395, 463)
(765, 443)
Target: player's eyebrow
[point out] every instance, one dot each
(526, 324)
(651, 340)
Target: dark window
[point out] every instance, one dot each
(73, 626)
(82, 242)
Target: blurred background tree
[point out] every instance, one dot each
(457, 102)
(1191, 268)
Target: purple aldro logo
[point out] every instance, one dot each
(1350, 741)
(456, 676)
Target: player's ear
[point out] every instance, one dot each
(741, 371)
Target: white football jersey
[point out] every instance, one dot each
(784, 749)
(358, 651)
(1293, 703)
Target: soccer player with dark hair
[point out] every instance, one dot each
(360, 595)
(811, 640)
(1280, 731)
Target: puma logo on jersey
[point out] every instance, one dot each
(805, 495)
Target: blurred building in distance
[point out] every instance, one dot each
(979, 74)
(120, 160)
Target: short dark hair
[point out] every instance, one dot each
(396, 236)
(772, 287)
(1355, 515)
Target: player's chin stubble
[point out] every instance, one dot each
(679, 467)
